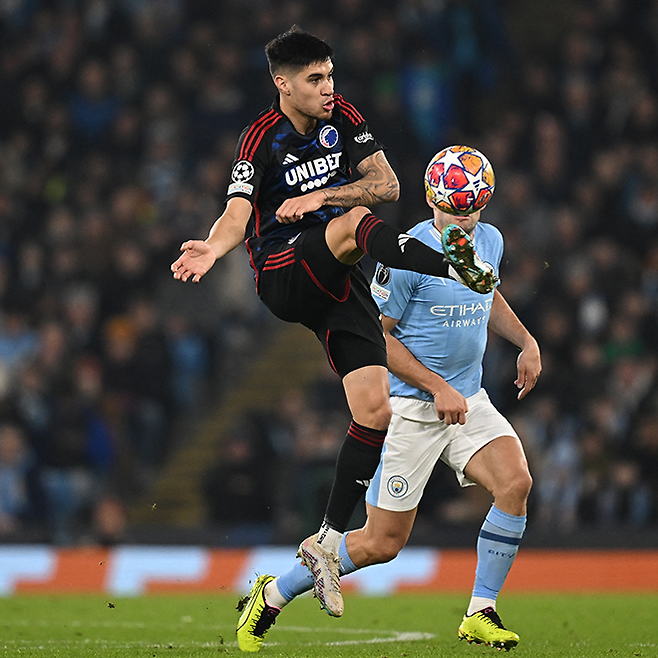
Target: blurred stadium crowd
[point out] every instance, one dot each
(118, 124)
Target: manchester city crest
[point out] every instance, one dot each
(397, 486)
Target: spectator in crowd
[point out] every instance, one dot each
(15, 462)
(243, 479)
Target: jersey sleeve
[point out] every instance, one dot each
(501, 249)
(392, 289)
(497, 248)
(249, 163)
(359, 141)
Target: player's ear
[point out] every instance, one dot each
(429, 202)
(282, 84)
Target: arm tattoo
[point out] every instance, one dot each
(377, 185)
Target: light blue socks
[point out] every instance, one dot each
(299, 580)
(497, 546)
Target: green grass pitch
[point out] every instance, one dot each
(400, 626)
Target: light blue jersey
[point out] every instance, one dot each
(441, 322)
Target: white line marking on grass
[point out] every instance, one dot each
(395, 636)
(398, 637)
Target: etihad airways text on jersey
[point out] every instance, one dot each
(450, 310)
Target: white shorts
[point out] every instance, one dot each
(417, 439)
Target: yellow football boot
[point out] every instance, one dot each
(257, 617)
(485, 627)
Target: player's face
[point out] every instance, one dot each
(466, 222)
(308, 93)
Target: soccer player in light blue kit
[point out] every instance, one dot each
(436, 335)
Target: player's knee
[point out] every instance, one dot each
(341, 231)
(523, 484)
(517, 487)
(355, 215)
(379, 413)
(373, 410)
(384, 415)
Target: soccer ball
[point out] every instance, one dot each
(459, 180)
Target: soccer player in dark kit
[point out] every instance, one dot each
(292, 181)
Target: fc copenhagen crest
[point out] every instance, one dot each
(328, 137)
(242, 171)
(397, 486)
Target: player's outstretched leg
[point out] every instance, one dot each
(485, 627)
(325, 567)
(458, 249)
(257, 616)
(404, 252)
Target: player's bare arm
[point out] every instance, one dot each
(451, 405)
(505, 323)
(226, 233)
(378, 184)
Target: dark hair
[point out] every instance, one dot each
(296, 49)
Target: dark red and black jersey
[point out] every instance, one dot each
(273, 162)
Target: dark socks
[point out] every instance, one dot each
(357, 463)
(399, 250)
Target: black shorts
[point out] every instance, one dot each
(303, 282)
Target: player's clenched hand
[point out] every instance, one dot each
(451, 405)
(197, 258)
(528, 369)
(292, 210)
